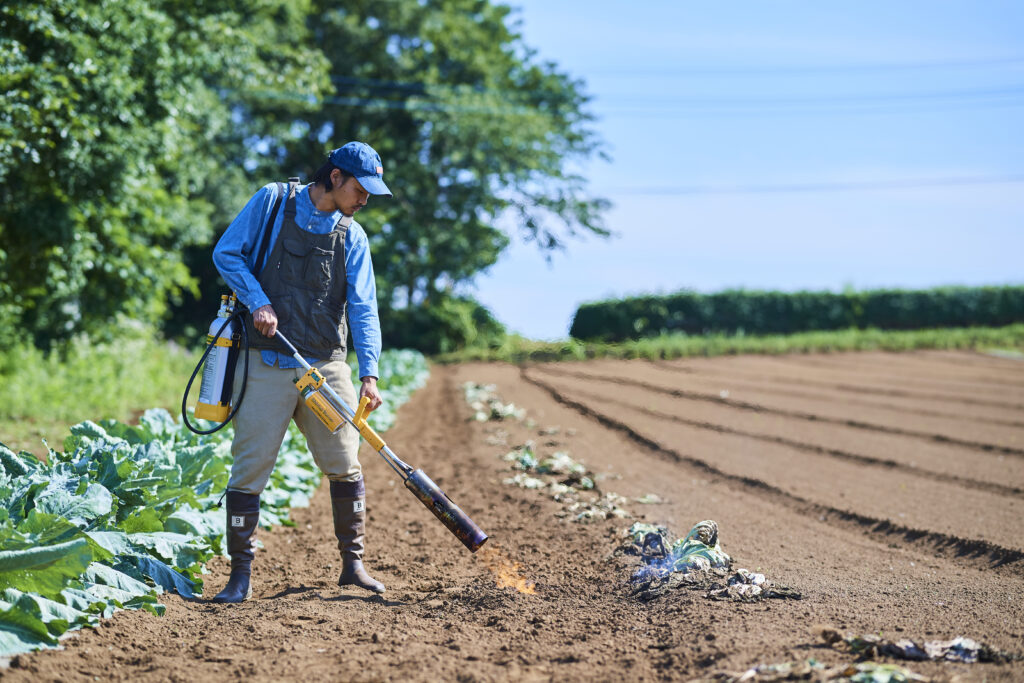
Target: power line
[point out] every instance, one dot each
(1014, 90)
(812, 69)
(808, 188)
(836, 109)
(426, 89)
(739, 71)
(695, 107)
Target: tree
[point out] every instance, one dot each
(125, 127)
(131, 131)
(471, 129)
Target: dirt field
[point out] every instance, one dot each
(887, 488)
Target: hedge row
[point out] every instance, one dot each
(762, 312)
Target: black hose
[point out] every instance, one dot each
(245, 380)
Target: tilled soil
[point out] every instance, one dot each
(887, 488)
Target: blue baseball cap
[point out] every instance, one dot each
(363, 162)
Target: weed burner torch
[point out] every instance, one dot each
(334, 413)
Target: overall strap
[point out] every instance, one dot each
(269, 228)
(289, 206)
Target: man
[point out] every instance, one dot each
(316, 273)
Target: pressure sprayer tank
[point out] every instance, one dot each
(218, 373)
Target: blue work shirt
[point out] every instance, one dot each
(235, 258)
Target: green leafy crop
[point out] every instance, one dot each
(125, 512)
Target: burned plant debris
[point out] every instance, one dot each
(696, 562)
(959, 649)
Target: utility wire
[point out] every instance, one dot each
(808, 188)
(812, 69)
(998, 97)
(1014, 90)
(426, 89)
(831, 110)
(738, 71)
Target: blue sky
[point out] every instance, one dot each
(742, 134)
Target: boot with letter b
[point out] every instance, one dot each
(243, 512)
(348, 500)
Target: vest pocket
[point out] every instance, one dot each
(292, 266)
(318, 270)
(305, 265)
(327, 324)
(298, 322)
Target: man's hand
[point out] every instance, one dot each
(369, 389)
(265, 320)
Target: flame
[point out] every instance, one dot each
(506, 572)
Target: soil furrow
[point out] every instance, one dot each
(880, 463)
(900, 376)
(981, 359)
(760, 408)
(918, 364)
(849, 373)
(911, 501)
(950, 547)
(775, 382)
(843, 573)
(838, 406)
(931, 456)
(925, 397)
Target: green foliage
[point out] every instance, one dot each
(516, 349)
(44, 570)
(123, 131)
(64, 540)
(127, 511)
(131, 132)
(448, 324)
(44, 392)
(99, 380)
(402, 371)
(760, 312)
(471, 127)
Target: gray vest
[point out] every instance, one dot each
(304, 278)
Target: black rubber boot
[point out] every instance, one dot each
(243, 513)
(348, 500)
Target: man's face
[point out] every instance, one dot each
(349, 197)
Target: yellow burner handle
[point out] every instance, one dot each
(367, 432)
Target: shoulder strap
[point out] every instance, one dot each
(269, 228)
(289, 207)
